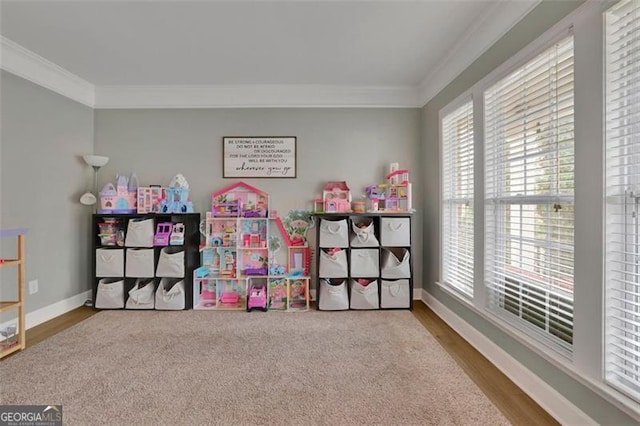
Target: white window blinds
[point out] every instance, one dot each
(622, 273)
(529, 196)
(457, 199)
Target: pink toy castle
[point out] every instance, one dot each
(120, 198)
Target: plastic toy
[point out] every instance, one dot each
(336, 197)
(257, 298)
(230, 298)
(163, 232)
(240, 199)
(177, 196)
(150, 199)
(394, 195)
(120, 198)
(177, 235)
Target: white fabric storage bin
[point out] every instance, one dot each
(395, 231)
(363, 235)
(395, 294)
(364, 296)
(170, 295)
(139, 233)
(171, 263)
(333, 265)
(140, 263)
(109, 262)
(333, 295)
(364, 263)
(110, 294)
(396, 263)
(334, 233)
(141, 296)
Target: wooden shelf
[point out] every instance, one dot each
(10, 262)
(6, 305)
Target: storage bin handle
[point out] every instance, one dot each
(396, 227)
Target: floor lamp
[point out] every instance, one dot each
(95, 161)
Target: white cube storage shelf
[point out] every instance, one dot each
(364, 261)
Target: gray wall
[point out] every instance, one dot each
(355, 145)
(41, 178)
(588, 258)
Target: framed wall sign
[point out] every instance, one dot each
(259, 157)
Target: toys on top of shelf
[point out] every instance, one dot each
(120, 198)
(336, 197)
(392, 196)
(150, 199)
(176, 196)
(163, 232)
(240, 199)
(177, 234)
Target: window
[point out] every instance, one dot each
(529, 196)
(457, 199)
(622, 259)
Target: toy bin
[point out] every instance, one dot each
(364, 263)
(171, 262)
(110, 294)
(333, 295)
(141, 295)
(364, 294)
(395, 231)
(334, 233)
(170, 295)
(139, 263)
(395, 294)
(396, 263)
(363, 234)
(109, 262)
(333, 264)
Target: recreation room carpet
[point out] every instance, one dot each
(238, 368)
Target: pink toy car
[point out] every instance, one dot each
(257, 298)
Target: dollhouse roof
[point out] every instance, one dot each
(237, 185)
(331, 186)
(397, 172)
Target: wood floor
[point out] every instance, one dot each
(513, 402)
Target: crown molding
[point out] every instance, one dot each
(255, 96)
(478, 38)
(32, 67)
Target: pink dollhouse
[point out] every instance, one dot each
(120, 198)
(241, 200)
(394, 195)
(336, 197)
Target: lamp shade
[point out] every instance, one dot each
(95, 160)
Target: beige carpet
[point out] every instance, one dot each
(199, 367)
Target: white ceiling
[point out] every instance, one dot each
(406, 46)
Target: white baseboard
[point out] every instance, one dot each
(546, 396)
(46, 313)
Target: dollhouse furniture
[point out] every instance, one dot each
(117, 270)
(13, 335)
(163, 233)
(177, 234)
(364, 260)
(150, 199)
(242, 253)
